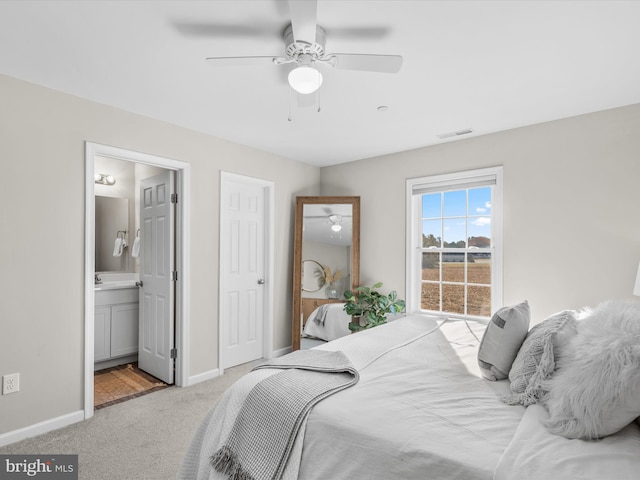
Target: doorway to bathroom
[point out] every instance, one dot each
(135, 264)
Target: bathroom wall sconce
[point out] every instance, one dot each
(104, 179)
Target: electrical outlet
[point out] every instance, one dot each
(10, 383)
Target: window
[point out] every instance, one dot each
(454, 251)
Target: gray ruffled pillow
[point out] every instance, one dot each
(535, 362)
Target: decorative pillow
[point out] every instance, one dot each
(596, 390)
(535, 361)
(502, 339)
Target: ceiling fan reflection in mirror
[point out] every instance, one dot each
(336, 222)
(305, 46)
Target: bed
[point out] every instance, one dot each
(327, 322)
(420, 409)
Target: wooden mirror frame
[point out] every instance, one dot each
(297, 254)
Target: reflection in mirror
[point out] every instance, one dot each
(312, 276)
(112, 223)
(326, 237)
(326, 259)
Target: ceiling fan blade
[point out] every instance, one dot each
(213, 30)
(359, 33)
(367, 63)
(240, 61)
(303, 19)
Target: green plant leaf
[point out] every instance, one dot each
(354, 326)
(370, 306)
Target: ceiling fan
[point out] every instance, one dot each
(304, 46)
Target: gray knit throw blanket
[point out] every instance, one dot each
(266, 427)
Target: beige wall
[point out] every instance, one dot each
(42, 139)
(571, 226)
(571, 197)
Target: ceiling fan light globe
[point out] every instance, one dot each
(336, 227)
(305, 79)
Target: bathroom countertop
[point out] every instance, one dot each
(110, 281)
(114, 285)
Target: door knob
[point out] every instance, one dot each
(261, 281)
(139, 284)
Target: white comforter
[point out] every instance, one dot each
(536, 454)
(422, 411)
(335, 323)
(419, 411)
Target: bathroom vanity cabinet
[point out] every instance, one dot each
(116, 323)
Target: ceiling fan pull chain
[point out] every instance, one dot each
(290, 93)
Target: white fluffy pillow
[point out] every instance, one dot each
(502, 339)
(596, 390)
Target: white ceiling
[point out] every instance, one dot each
(485, 65)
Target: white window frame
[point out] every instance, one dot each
(445, 182)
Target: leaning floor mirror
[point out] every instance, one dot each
(326, 263)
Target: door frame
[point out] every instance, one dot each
(182, 231)
(269, 235)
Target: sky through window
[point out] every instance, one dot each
(445, 215)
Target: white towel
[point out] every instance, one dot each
(135, 250)
(118, 246)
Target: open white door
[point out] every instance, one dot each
(242, 262)
(156, 350)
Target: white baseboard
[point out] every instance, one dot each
(40, 428)
(203, 377)
(281, 352)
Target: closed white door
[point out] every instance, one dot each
(242, 259)
(157, 292)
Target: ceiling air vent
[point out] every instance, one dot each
(457, 133)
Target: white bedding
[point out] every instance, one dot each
(419, 411)
(536, 454)
(335, 323)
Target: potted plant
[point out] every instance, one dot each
(326, 277)
(369, 308)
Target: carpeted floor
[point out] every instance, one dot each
(122, 383)
(142, 439)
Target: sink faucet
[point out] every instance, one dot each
(97, 278)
